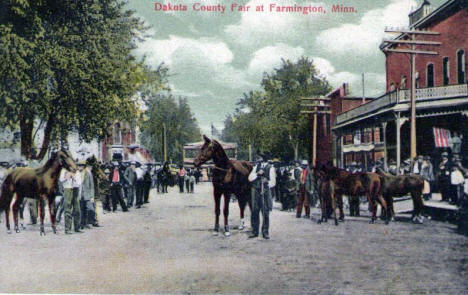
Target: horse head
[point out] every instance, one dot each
(65, 159)
(206, 152)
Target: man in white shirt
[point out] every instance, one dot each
(263, 179)
(71, 188)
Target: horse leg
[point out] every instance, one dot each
(418, 205)
(333, 199)
(21, 211)
(242, 202)
(7, 195)
(217, 201)
(340, 206)
(41, 214)
(51, 201)
(384, 207)
(227, 198)
(16, 205)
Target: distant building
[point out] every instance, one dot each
(122, 144)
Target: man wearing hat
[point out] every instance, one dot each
(140, 185)
(306, 185)
(130, 178)
(88, 213)
(444, 176)
(263, 178)
(71, 188)
(116, 180)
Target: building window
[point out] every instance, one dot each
(430, 75)
(446, 70)
(117, 134)
(461, 66)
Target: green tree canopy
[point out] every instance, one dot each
(270, 119)
(167, 114)
(67, 64)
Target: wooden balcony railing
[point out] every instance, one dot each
(403, 96)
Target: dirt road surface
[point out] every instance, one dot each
(168, 247)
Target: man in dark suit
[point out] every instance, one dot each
(116, 179)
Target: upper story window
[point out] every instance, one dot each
(430, 75)
(461, 69)
(117, 134)
(446, 70)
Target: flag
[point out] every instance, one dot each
(441, 137)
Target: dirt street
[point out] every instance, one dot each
(168, 247)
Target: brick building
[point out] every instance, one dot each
(122, 144)
(441, 90)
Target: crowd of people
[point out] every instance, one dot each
(117, 183)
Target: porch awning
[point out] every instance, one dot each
(354, 148)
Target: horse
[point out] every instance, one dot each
(39, 183)
(354, 184)
(400, 185)
(323, 187)
(228, 177)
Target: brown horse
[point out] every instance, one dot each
(37, 183)
(400, 185)
(229, 177)
(354, 184)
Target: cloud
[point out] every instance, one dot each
(209, 51)
(374, 82)
(364, 38)
(269, 57)
(271, 27)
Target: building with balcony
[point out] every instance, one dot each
(441, 93)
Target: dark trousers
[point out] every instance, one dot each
(192, 185)
(354, 206)
(260, 202)
(117, 197)
(303, 201)
(139, 191)
(444, 187)
(187, 186)
(181, 184)
(456, 193)
(130, 194)
(88, 213)
(146, 192)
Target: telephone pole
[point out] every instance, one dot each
(412, 51)
(313, 107)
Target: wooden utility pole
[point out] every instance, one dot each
(164, 143)
(317, 106)
(412, 33)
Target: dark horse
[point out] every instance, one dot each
(353, 184)
(400, 185)
(37, 183)
(229, 177)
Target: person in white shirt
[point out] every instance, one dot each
(71, 188)
(140, 185)
(263, 178)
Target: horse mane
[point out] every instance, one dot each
(47, 165)
(220, 149)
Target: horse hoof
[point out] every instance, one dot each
(9, 231)
(336, 222)
(227, 233)
(22, 226)
(17, 230)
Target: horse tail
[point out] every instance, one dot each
(5, 193)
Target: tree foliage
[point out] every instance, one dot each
(165, 112)
(270, 119)
(67, 64)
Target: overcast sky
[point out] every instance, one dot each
(215, 57)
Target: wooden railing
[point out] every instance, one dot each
(403, 96)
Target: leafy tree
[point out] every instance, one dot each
(68, 65)
(270, 120)
(175, 117)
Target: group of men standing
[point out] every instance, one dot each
(295, 187)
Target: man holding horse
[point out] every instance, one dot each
(263, 178)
